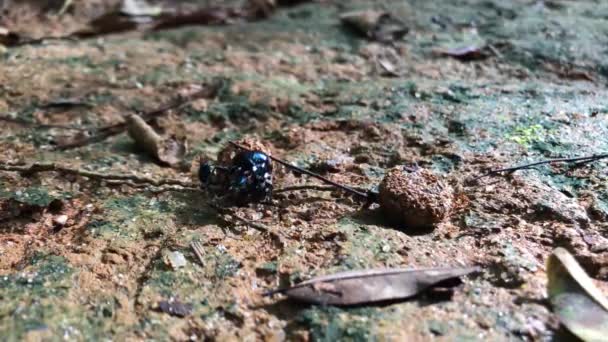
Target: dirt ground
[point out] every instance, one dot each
(87, 259)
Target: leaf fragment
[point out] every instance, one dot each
(370, 286)
(168, 151)
(576, 301)
(465, 53)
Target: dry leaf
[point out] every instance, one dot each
(465, 53)
(370, 286)
(203, 16)
(113, 22)
(577, 302)
(168, 151)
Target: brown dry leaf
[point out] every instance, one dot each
(370, 286)
(113, 22)
(576, 301)
(203, 16)
(168, 151)
(465, 53)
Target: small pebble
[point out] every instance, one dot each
(176, 260)
(60, 220)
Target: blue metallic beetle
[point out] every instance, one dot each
(248, 178)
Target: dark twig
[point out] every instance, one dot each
(312, 174)
(115, 129)
(23, 122)
(577, 160)
(28, 170)
(305, 187)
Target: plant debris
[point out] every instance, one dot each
(465, 53)
(370, 286)
(102, 133)
(578, 303)
(168, 151)
(199, 251)
(578, 161)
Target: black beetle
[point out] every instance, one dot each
(248, 178)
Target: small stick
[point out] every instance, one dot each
(312, 174)
(115, 129)
(49, 167)
(585, 159)
(305, 187)
(197, 247)
(23, 122)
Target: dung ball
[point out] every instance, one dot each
(415, 198)
(227, 154)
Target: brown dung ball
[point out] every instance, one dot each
(225, 156)
(416, 199)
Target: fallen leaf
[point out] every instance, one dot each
(370, 286)
(168, 151)
(388, 67)
(113, 22)
(376, 25)
(576, 301)
(203, 16)
(465, 53)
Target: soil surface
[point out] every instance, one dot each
(472, 86)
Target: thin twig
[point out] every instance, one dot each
(584, 160)
(23, 122)
(305, 187)
(115, 129)
(312, 174)
(27, 170)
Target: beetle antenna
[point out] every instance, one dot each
(312, 174)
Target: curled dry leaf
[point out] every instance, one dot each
(576, 301)
(370, 286)
(112, 22)
(168, 151)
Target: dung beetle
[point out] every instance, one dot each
(248, 178)
(251, 176)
